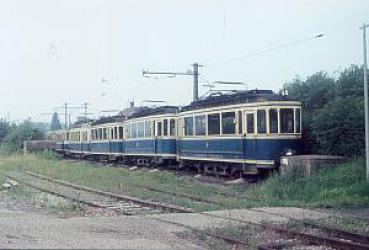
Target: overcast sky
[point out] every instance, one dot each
(52, 52)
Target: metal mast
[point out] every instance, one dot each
(366, 101)
(194, 73)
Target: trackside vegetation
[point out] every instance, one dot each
(341, 186)
(332, 111)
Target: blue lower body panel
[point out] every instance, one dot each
(115, 147)
(151, 147)
(75, 147)
(239, 150)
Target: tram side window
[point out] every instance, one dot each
(100, 134)
(105, 134)
(297, 121)
(239, 122)
(188, 125)
(140, 128)
(261, 120)
(133, 130)
(172, 127)
(273, 121)
(147, 129)
(286, 120)
(228, 123)
(165, 127)
(112, 134)
(214, 124)
(159, 128)
(250, 123)
(120, 129)
(200, 125)
(127, 130)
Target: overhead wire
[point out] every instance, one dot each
(281, 46)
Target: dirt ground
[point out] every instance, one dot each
(25, 228)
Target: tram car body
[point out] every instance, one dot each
(106, 139)
(239, 134)
(58, 137)
(150, 136)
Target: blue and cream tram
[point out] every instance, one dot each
(238, 134)
(150, 136)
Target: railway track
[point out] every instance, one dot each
(326, 236)
(95, 198)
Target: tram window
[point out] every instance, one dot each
(228, 123)
(105, 134)
(214, 124)
(297, 121)
(286, 120)
(120, 129)
(140, 129)
(147, 129)
(172, 127)
(165, 127)
(111, 134)
(115, 132)
(100, 134)
(273, 121)
(127, 131)
(239, 122)
(250, 123)
(159, 128)
(200, 125)
(134, 130)
(153, 128)
(261, 119)
(188, 124)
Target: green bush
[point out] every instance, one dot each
(13, 141)
(333, 112)
(343, 185)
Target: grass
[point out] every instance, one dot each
(122, 181)
(342, 186)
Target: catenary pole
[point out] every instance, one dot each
(366, 101)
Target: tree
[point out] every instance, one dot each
(4, 128)
(16, 135)
(55, 122)
(314, 93)
(333, 116)
(339, 128)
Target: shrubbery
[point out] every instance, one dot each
(333, 112)
(12, 136)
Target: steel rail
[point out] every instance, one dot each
(163, 206)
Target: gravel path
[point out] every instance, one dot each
(37, 230)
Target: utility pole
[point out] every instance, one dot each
(195, 88)
(86, 107)
(66, 115)
(366, 101)
(194, 73)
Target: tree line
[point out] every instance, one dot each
(333, 111)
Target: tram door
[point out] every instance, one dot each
(250, 144)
